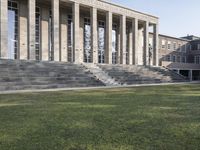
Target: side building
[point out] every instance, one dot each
(181, 55)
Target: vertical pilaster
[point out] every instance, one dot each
(76, 20)
(63, 36)
(31, 28)
(93, 15)
(123, 39)
(23, 31)
(109, 38)
(45, 34)
(146, 43)
(135, 41)
(56, 29)
(156, 46)
(3, 29)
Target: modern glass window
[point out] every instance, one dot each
(37, 34)
(101, 41)
(70, 39)
(87, 41)
(127, 45)
(51, 53)
(114, 44)
(13, 32)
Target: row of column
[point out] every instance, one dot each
(133, 54)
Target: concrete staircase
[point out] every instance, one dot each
(101, 74)
(129, 74)
(27, 75)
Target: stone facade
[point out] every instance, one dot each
(91, 31)
(47, 35)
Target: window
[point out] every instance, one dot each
(13, 32)
(174, 58)
(198, 46)
(197, 59)
(169, 45)
(175, 46)
(168, 58)
(87, 41)
(37, 33)
(114, 44)
(127, 45)
(179, 59)
(184, 48)
(51, 53)
(101, 41)
(163, 44)
(183, 59)
(70, 40)
(179, 47)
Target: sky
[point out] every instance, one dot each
(176, 17)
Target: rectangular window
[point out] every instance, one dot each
(163, 44)
(183, 59)
(175, 46)
(179, 47)
(13, 30)
(174, 58)
(184, 48)
(179, 59)
(169, 46)
(197, 59)
(168, 58)
(87, 41)
(37, 33)
(70, 40)
(198, 46)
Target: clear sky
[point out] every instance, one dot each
(177, 17)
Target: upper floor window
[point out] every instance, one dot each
(169, 45)
(197, 59)
(184, 48)
(175, 47)
(198, 47)
(163, 44)
(183, 59)
(179, 59)
(179, 47)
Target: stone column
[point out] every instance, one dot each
(108, 53)
(93, 15)
(146, 43)
(123, 39)
(56, 29)
(3, 29)
(156, 45)
(31, 28)
(23, 31)
(63, 36)
(76, 20)
(135, 40)
(191, 75)
(45, 34)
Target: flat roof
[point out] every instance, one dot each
(112, 3)
(167, 36)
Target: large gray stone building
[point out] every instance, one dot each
(90, 31)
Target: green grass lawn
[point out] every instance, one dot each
(143, 118)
